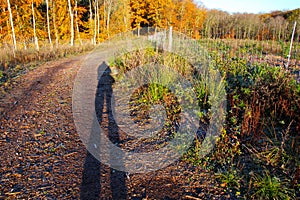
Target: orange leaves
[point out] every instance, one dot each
(96, 19)
(190, 18)
(184, 15)
(156, 12)
(138, 12)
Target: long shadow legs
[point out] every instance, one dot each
(91, 183)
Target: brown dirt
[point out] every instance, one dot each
(42, 156)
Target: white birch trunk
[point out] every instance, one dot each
(54, 24)
(36, 42)
(48, 24)
(95, 25)
(72, 23)
(12, 25)
(77, 26)
(98, 18)
(109, 8)
(91, 21)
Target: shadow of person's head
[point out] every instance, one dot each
(103, 70)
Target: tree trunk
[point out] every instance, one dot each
(72, 23)
(109, 7)
(125, 16)
(54, 24)
(36, 42)
(207, 29)
(96, 32)
(249, 32)
(98, 18)
(48, 23)
(279, 33)
(12, 25)
(91, 21)
(181, 16)
(77, 26)
(7, 24)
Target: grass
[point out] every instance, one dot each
(13, 65)
(270, 187)
(245, 48)
(257, 152)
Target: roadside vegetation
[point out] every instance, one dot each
(257, 154)
(22, 61)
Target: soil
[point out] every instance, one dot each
(42, 156)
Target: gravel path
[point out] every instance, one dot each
(42, 156)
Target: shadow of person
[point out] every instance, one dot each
(90, 186)
(92, 167)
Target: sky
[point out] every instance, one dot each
(250, 6)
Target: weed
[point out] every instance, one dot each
(231, 181)
(270, 187)
(260, 133)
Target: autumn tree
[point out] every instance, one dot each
(156, 13)
(120, 17)
(189, 18)
(29, 23)
(138, 13)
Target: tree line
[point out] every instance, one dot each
(277, 25)
(54, 22)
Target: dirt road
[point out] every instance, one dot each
(42, 156)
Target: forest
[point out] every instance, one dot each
(36, 23)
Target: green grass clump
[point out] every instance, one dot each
(262, 123)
